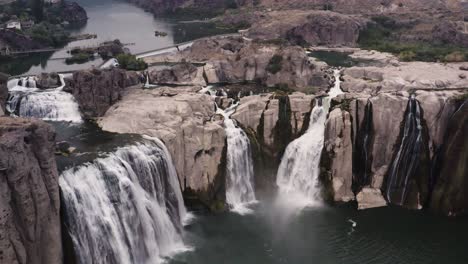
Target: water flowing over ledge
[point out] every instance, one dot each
(127, 207)
(26, 100)
(298, 173)
(239, 183)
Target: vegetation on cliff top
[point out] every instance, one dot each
(380, 35)
(130, 62)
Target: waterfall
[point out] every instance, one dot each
(298, 173)
(362, 162)
(126, 207)
(407, 158)
(26, 100)
(239, 182)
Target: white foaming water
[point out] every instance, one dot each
(240, 188)
(298, 173)
(52, 104)
(126, 208)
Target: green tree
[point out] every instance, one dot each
(37, 8)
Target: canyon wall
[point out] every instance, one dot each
(30, 229)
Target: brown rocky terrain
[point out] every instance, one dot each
(185, 120)
(96, 90)
(30, 229)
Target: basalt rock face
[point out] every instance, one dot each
(96, 90)
(404, 76)
(449, 194)
(186, 121)
(74, 13)
(30, 230)
(450, 33)
(309, 27)
(337, 156)
(272, 121)
(3, 92)
(237, 60)
(48, 81)
(180, 74)
(398, 145)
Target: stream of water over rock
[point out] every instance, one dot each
(298, 172)
(26, 100)
(125, 208)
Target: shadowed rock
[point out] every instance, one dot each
(30, 230)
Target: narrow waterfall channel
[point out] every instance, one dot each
(298, 173)
(407, 158)
(240, 190)
(125, 208)
(26, 100)
(362, 156)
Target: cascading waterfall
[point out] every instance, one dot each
(240, 188)
(407, 158)
(125, 208)
(26, 100)
(298, 173)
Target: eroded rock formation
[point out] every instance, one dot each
(185, 120)
(309, 28)
(237, 60)
(30, 230)
(97, 90)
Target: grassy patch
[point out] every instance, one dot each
(130, 62)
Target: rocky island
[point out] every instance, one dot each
(263, 128)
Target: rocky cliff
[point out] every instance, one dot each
(451, 183)
(241, 60)
(186, 121)
(30, 230)
(3, 92)
(393, 140)
(96, 90)
(272, 121)
(309, 27)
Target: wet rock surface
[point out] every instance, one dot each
(30, 229)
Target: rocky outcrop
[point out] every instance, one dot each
(237, 60)
(48, 81)
(73, 13)
(449, 194)
(337, 156)
(187, 123)
(272, 121)
(30, 230)
(370, 198)
(309, 28)
(450, 33)
(3, 92)
(410, 75)
(390, 135)
(96, 90)
(180, 74)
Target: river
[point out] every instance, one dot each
(114, 19)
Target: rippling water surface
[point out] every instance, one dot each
(327, 235)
